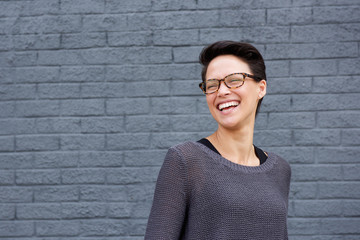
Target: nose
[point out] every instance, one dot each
(223, 89)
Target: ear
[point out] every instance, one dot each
(262, 88)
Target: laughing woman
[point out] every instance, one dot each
(222, 186)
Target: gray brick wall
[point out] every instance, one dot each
(93, 92)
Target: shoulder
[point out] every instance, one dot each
(186, 150)
(282, 164)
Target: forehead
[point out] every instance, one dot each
(224, 65)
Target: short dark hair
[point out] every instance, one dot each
(244, 51)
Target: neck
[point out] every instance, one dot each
(236, 145)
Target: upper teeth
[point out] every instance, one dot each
(228, 104)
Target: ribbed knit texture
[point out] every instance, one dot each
(201, 195)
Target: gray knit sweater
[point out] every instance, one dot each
(201, 195)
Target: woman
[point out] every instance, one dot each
(223, 187)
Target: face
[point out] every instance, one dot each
(233, 108)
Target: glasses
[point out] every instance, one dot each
(234, 80)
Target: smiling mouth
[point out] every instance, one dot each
(228, 105)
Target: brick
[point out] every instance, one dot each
(15, 194)
(163, 5)
(6, 75)
(7, 211)
(147, 124)
(88, 176)
(184, 87)
(17, 126)
(286, 16)
(144, 89)
(316, 172)
(316, 208)
(317, 137)
(55, 160)
(257, 34)
(38, 211)
(83, 40)
(104, 22)
(294, 154)
(336, 14)
(173, 105)
(291, 120)
(167, 140)
(82, 74)
(6, 178)
(176, 37)
(83, 107)
(85, 6)
(350, 137)
(38, 177)
(5, 43)
(23, 59)
(37, 143)
(47, 24)
(36, 74)
(120, 39)
(39, 7)
(337, 154)
(103, 193)
(36, 41)
(236, 18)
(323, 102)
(272, 138)
(101, 159)
(58, 91)
(313, 67)
(278, 68)
(276, 103)
(83, 142)
(261, 121)
(338, 190)
(19, 92)
(83, 210)
(243, 4)
(103, 90)
(137, 226)
(9, 9)
(349, 66)
(144, 158)
(56, 228)
(327, 3)
(187, 54)
(132, 175)
(58, 125)
(325, 33)
(119, 210)
(16, 160)
(339, 119)
(37, 108)
(324, 226)
(140, 193)
(56, 194)
(7, 143)
(7, 109)
(127, 106)
(16, 229)
(103, 227)
(351, 208)
(311, 50)
(127, 141)
(289, 85)
(102, 125)
(60, 57)
(193, 123)
(343, 84)
(303, 190)
(351, 172)
(127, 6)
(185, 20)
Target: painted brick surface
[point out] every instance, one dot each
(93, 92)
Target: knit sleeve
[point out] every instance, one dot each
(168, 211)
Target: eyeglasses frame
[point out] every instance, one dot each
(202, 84)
